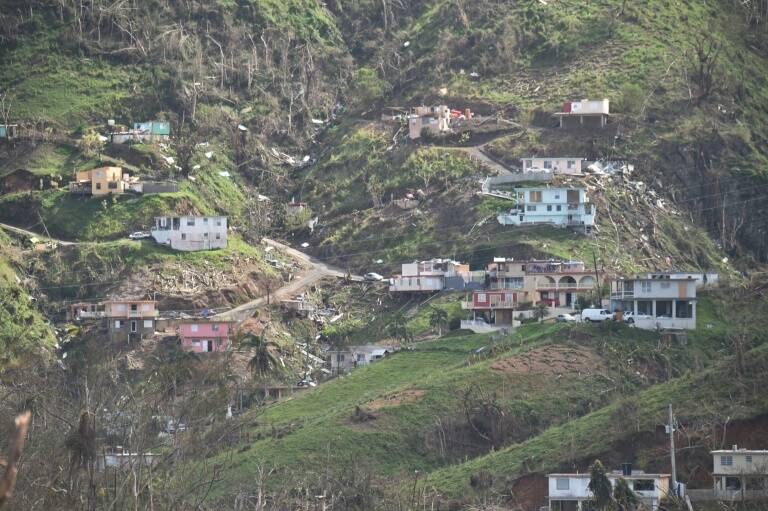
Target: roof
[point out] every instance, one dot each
(636, 474)
(128, 300)
(741, 451)
(552, 158)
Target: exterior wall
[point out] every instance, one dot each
(126, 309)
(435, 119)
(355, 356)
(106, 180)
(553, 208)
(423, 283)
(739, 464)
(433, 275)
(578, 488)
(128, 330)
(558, 165)
(190, 233)
(659, 298)
(204, 336)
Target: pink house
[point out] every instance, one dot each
(204, 336)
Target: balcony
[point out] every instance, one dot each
(497, 305)
(622, 295)
(565, 287)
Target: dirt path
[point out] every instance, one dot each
(476, 153)
(319, 270)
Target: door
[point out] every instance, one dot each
(572, 196)
(134, 327)
(209, 346)
(568, 299)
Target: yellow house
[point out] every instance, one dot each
(100, 181)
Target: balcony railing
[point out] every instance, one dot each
(621, 295)
(497, 305)
(565, 287)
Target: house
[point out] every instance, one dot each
(565, 207)
(150, 131)
(189, 233)
(434, 119)
(740, 474)
(669, 302)
(577, 114)
(555, 165)
(570, 492)
(120, 459)
(100, 181)
(130, 320)
(345, 360)
(435, 275)
(85, 310)
(512, 287)
(703, 279)
(8, 131)
(200, 335)
(22, 180)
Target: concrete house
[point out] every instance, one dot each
(149, 131)
(351, 357)
(584, 113)
(85, 310)
(435, 275)
(668, 302)
(100, 181)
(570, 492)
(740, 474)
(189, 233)
(510, 283)
(204, 336)
(564, 207)
(130, 320)
(556, 165)
(434, 119)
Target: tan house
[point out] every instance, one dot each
(130, 319)
(100, 181)
(584, 113)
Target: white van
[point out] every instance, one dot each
(596, 315)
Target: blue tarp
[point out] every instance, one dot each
(3, 132)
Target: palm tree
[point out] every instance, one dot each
(625, 498)
(265, 359)
(437, 318)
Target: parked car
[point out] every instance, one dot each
(597, 315)
(566, 318)
(139, 235)
(306, 384)
(372, 277)
(630, 317)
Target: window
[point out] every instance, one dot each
(645, 286)
(215, 327)
(534, 196)
(147, 323)
(193, 328)
(195, 344)
(340, 357)
(99, 174)
(134, 327)
(514, 283)
(559, 208)
(571, 164)
(218, 342)
(191, 221)
(588, 208)
(98, 186)
(205, 220)
(134, 307)
(218, 222)
(683, 309)
(563, 483)
(748, 458)
(183, 235)
(645, 485)
(481, 297)
(530, 208)
(732, 483)
(528, 164)
(726, 461)
(120, 307)
(218, 236)
(664, 308)
(665, 285)
(112, 185)
(360, 357)
(118, 324)
(547, 164)
(549, 207)
(645, 307)
(557, 196)
(205, 235)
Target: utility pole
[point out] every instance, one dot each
(597, 281)
(671, 430)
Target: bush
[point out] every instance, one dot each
(454, 323)
(631, 98)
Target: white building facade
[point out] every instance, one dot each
(562, 207)
(740, 474)
(570, 492)
(190, 233)
(558, 165)
(435, 275)
(657, 301)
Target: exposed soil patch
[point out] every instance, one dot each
(552, 360)
(406, 396)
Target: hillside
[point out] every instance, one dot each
(289, 117)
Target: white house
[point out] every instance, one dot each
(740, 474)
(668, 302)
(351, 357)
(570, 492)
(584, 113)
(557, 206)
(702, 279)
(435, 275)
(556, 165)
(190, 233)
